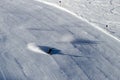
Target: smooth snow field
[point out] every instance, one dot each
(80, 50)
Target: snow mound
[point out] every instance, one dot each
(33, 47)
(67, 38)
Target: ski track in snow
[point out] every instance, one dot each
(93, 25)
(3, 74)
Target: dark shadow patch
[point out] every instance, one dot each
(56, 51)
(84, 42)
(47, 50)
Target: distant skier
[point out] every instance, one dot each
(106, 25)
(50, 51)
(60, 2)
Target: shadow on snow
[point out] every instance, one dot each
(56, 51)
(84, 42)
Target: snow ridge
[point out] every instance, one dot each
(93, 25)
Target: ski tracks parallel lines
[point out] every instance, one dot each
(76, 65)
(59, 67)
(3, 74)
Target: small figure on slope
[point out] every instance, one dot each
(50, 51)
(106, 25)
(60, 2)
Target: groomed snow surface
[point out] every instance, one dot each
(99, 12)
(81, 51)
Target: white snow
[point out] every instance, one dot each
(82, 50)
(99, 12)
(33, 47)
(67, 38)
(93, 25)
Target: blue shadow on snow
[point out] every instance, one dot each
(56, 51)
(84, 42)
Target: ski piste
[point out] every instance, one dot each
(30, 29)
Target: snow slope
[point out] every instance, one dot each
(81, 51)
(99, 12)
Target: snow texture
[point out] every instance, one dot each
(99, 12)
(81, 50)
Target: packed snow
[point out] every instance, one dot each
(81, 50)
(86, 20)
(99, 12)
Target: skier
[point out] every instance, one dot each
(60, 2)
(50, 51)
(106, 25)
